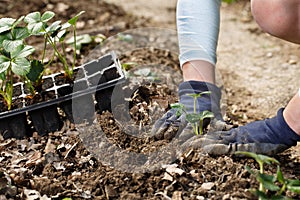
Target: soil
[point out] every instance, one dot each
(116, 156)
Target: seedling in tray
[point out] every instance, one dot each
(196, 119)
(13, 56)
(54, 34)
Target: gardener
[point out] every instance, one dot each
(198, 29)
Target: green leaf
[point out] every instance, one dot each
(35, 28)
(12, 45)
(20, 33)
(128, 65)
(47, 16)
(6, 24)
(73, 20)
(4, 37)
(54, 27)
(36, 70)
(80, 40)
(268, 181)
(22, 51)
(206, 114)
(3, 76)
(293, 182)
(267, 159)
(295, 189)
(66, 26)
(193, 117)
(197, 95)
(259, 157)
(20, 66)
(33, 18)
(280, 177)
(261, 195)
(180, 108)
(4, 63)
(62, 35)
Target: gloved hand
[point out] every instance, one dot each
(269, 137)
(171, 124)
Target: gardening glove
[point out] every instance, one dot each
(171, 124)
(269, 137)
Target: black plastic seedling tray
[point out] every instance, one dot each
(91, 78)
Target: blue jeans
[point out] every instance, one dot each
(198, 23)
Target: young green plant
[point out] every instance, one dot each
(275, 183)
(54, 34)
(196, 119)
(13, 56)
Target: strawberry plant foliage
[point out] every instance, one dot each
(16, 57)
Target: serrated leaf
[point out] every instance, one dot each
(6, 24)
(74, 19)
(4, 37)
(36, 70)
(20, 33)
(12, 45)
(21, 66)
(35, 28)
(22, 51)
(4, 63)
(47, 16)
(33, 17)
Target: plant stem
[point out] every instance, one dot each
(201, 127)
(195, 128)
(261, 170)
(9, 89)
(195, 104)
(74, 55)
(283, 188)
(44, 50)
(61, 58)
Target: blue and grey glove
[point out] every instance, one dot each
(269, 137)
(171, 124)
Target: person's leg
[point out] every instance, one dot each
(279, 18)
(291, 113)
(198, 30)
